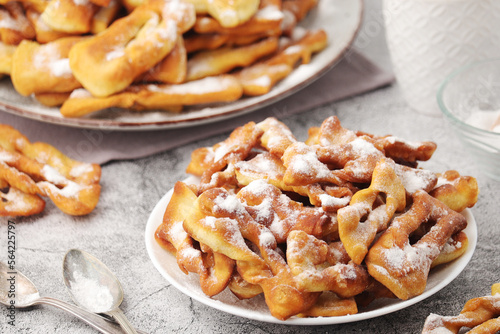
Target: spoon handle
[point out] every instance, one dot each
(120, 318)
(92, 319)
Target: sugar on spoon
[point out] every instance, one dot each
(25, 294)
(93, 286)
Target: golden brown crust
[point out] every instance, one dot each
(39, 169)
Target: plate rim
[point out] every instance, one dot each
(457, 266)
(243, 106)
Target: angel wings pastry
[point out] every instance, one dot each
(31, 172)
(125, 53)
(320, 227)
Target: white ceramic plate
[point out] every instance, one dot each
(341, 19)
(256, 308)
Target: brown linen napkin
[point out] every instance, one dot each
(353, 75)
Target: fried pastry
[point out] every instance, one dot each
(281, 215)
(104, 16)
(150, 96)
(206, 161)
(223, 60)
(73, 17)
(269, 167)
(331, 132)
(6, 55)
(260, 78)
(52, 99)
(403, 267)
(43, 33)
(456, 191)
(266, 20)
(172, 69)
(231, 222)
(228, 13)
(109, 62)
(299, 8)
(453, 249)
(44, 68)
(295, 11)
(39, 169)
(480, 314)
(242, 289)
(402, 151)
(14, 202)
(352, 162)
(329, 304)
(316, 269)
(214, 269)
(364, 217)
(202, 42)
(17, 26)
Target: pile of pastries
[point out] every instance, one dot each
(31, 172)
(88, 55)
(320, 227)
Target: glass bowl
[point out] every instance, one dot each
(470, 100)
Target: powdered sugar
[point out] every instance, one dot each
(266, 239)
(90, 294)
(15, 201)
(270, 13)
(229, 204)
(409, 258)
(80, 170)
(307, 163)
(115, 54)
(49, 57)
(177, 233)
(331, 201)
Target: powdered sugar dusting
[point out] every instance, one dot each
(409, 257)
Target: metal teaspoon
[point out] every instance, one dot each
(93, 286)
(26, 295)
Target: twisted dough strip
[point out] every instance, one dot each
(44, 68)
(456, 191)
(357, 235)
(258, 79)
(225, 59)
(225, 229)
(316, 268)
(276, 136)
(351, 162)
(17, 27)
(480, 314)
(267, 19)
(14, 202)
(68, 16)
(171, 97)
(228, 13)
(404, 267)
(214, 269)
(206, 161)
(40, 169)
(269, 167)
(43, 33)
(401, 151)
(172, 69)
(110, 61)
(269, 207)
(331, 132)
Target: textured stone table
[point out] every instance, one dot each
(114, 232)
